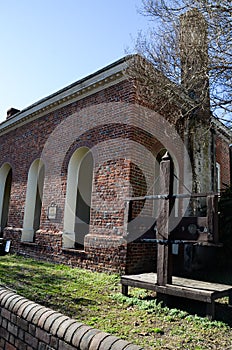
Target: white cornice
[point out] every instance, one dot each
(98, 81)
(222, 130)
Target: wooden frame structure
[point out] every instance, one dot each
(162, 282)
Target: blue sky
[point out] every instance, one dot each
(48, 44)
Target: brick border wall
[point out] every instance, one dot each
(26, 325)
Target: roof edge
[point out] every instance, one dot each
(76, 87)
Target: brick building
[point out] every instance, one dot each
(69, 161)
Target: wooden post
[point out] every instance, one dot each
(127, 215)
(230, 297)
(124, 289)
(210, 310)
(212, 216)
(164, 266)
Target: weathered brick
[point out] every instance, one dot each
(18, 304)
(6, 314)
(78, 335)
(3, 291)
(31, 340)
(107, 342)
(12, 328)
(9, 346)
(9, 300)
(23, 324)
(33, 311)
(2, 344)
(51, 319)
(14, 318)
(4, 333)
(32, 329)
(42, 346)
(43, 318)
(23, 306)
(56, 324)
(30, 306)
(54, 342)
(97, 340)
(19, 344)
(42, 335)
(87, 338)
(119, 345)
(38, 314)
(64, 346)
(63, 327)
(12, 339)
(4, 323)
(21, 334)
(5, 295)
(71, 330)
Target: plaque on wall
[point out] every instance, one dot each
(52, 209)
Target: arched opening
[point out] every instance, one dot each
(5, 189)
(34, 196)
(156, 188)
(78, 198)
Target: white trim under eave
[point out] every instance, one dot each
(65, 97)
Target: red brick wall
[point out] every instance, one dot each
(223, 158)
(23, 145)
(141, 257)
(124, 153)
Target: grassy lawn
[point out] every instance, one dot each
(95, 299)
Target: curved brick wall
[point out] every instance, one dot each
(26, 325)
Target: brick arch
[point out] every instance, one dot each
(78, 198)
(34, 195)
(110, 131)
(5, 188)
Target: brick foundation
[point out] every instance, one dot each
(48, 247)
(112, 255)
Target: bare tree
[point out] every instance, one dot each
(186, 57)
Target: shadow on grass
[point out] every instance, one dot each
(223, 312)
(49, 285)
(84, 301)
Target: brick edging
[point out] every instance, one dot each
(28, 325)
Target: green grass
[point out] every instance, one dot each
(95, 299)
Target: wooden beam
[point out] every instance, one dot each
(164, 266)
(212, 216)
